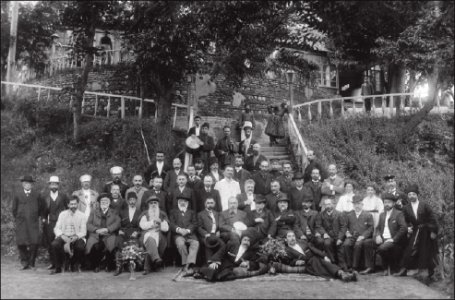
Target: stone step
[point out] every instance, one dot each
(279, 157)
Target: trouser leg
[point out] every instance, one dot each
(357, 254)
(368, 250)
(345, 254)
(78, 249)
(193, 249)
(33, 254)
(24, 255)
(329, 248)
(58, 253)
(181, 247)
(152, 248)
(50, 237)
(96, 254)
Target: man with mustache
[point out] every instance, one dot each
(116, 173)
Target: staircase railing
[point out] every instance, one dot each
(94, 99)
(415, 103)
(298, 146)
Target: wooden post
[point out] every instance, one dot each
(108, 106)
(299, 115)
(383, 105)
(342, 108)
(48, 94)
(319, 110)
(391, 105)
(420, 101)
(331, 110)
(83, 104)
(140, 109)
(96, 104)
(175, 117)
(11, 61)
(122, 104)
(364, 107)
(39, 93)
(309, 113)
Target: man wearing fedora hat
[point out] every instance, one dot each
(390, 235)
(116, 174)
(298, 192)
(246, 145)
(359, 232)
(102, 225)
(284, 220)
(155, 225)
(260, 217)
(28, 206)
(183, 224)
(422, 246)
(87, 196)
(56, 202)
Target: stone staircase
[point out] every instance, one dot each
(279, 151)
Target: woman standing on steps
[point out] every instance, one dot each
(275, 123)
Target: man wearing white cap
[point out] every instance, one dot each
(55, 203)
(246, 145)
(87, 197)
(116, 173)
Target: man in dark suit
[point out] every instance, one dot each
(157, 190)
(285, 179)
(298, 192)
(390, 235)
(307, 219)
(246, 145)
(260, 218)
(214, 170)
(207, 146)
(253, 162)
(262, 179)
(194, 181)
(330, 227)
(226, 149)
(207, 191)
(182, 190)
(28, 207)
(129, 227)
(422, 247)
(359, 232)
(284, 220)
(116, 173)
(170, 182)
(209, 226)
(228, 218)
(391, 187)
(196, 129)
(314, 164)
(156, 168)
(201, 167)
(246, 199)
(183, 224)
(240, 174)
(314, 188)
(274, 195)
(56, 202)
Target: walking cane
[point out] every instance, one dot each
(414, 251)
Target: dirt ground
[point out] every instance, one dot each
(38, 284)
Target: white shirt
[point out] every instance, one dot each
(211, 214)
(216, 175)
(373, 203)
(386, 235)
(247, 144)
(159, 166)
(71, 224)
(227, 188)
(242, 250)
(87, 202)
(297, 248)
(415, 206)
(251, 197)
(54, 195)
(131, 211)
(27, 192)
(345, 203)
(198, 130)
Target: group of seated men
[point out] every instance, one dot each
(229, 215)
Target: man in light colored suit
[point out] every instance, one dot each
(332, 186)
(87, 197)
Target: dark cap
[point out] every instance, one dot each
(283, 197)
(131, 195)
(104, 195)
(259, 198)
(152, 198)
(388, 177)
(27, 178)
(357, 199)
(212, 160)
(297, 175)
(212, 241)
(183, 198)
(389, 196)
(412, 188)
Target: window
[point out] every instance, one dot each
(328, 76)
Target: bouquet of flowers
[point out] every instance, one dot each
(132, 254)
(274, 249)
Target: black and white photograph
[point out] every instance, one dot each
(227, 149)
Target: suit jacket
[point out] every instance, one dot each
(309, 250)
(204, 151)
(242, 176)
(113, 223)
(188, 220)
(229, 146)
(82, 205)
(334, 225)
(289, 220)
(152, 171)
(314, 165)
(285, 183)
(221, 176)
(123, 187)
(262, 183)
(229, 262)
(425, 217)
(272, 199)
(194, 183)
(192, 130)
(27, 212)
(315, 190)
(200, 195)
(127, 226)
(140, 195)
(246, 152)
(251, 166)
(163, 196)
(170, 182)
(118, 205)
(307, 220)
(227, 219)
(396, 223)
(242, 198)
(360, 226)
(338, 187)
(173, 198)
(262, 228)
(61, 204)
(205, 222)
(296, 197)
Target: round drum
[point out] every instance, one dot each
(192, 144)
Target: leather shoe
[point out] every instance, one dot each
(96, 270)
(366, 271)
(56, 271)
(402, 272)
(26, 267)
(198, 275)
(145, 272)
(50, 267)
(355, 276)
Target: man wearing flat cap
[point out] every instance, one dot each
(155, 226)
(183, 223)
(56, 202)
(284, 219)
(28, 207)
(116, 174)
(102, 225)
(359, 232)
(391, 187)
(390, 238)
(87, 196)
(422, 246)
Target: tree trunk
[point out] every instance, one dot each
(164, 106)
(81, 82)
(397, 80)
